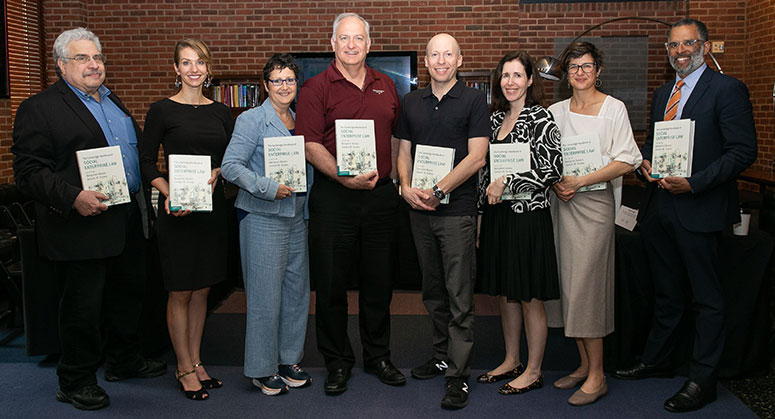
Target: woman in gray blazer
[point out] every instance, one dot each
(273, 239)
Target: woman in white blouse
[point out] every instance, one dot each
(584, 221)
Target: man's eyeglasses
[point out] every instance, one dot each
(279, 82)
(83, 58)
(586, 67)
(688, 43)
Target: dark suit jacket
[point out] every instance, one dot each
(49, 128)
(724, 146)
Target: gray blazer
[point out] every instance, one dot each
(243, 163)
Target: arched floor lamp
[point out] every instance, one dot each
(549, 67)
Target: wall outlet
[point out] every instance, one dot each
(717, 47)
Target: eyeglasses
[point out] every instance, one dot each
(83, 58)
(586, 67)
(279, 82)
(688, 43)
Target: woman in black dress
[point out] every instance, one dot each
(517, 256)
(192, 245)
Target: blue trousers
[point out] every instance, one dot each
(275, 266)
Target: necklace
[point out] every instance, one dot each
(183, 101)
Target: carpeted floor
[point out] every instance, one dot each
(33, 384)
(32, 396)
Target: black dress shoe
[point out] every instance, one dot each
(387, 373)
(149, 368)
(336, 382)
(91, 397)
(690, 397)
(643, 371)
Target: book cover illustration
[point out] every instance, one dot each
(188, 177)
(673, 146)
(102, 170)
(581, 156)
(356, 147)
(506, 159)
(285, 161)
(431, 164)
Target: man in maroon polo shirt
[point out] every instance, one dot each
(352, 218)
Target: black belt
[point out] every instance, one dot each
(384, 181)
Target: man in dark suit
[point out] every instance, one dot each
(681, 218)
(98, 251)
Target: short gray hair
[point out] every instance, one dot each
(343, 16)
(65, 38)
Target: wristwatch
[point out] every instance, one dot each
(438, 193)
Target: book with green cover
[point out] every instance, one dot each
(430, 165)
(189, 189)
(506, 159)
(673, 146)
(356, 147)
(102, 170)
(284, 161)
(581, 156)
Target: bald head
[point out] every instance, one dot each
(443, 39)
(442, 59)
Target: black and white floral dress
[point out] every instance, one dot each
(517, 257)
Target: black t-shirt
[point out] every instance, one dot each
(460, 114)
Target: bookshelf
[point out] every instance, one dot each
(478, 80)
(238, 92)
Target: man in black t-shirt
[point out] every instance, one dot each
(446, 114)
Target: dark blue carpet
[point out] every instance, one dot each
(31, 395)
(30, 384)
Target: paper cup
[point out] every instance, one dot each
(741, 228)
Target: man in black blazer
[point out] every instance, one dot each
(98, 251)
(681, 218)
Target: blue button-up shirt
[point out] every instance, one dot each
(686, 90)
(118, 129)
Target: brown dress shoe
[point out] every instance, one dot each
(568, 382)
(580, 398)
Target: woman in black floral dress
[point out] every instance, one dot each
(517, 259)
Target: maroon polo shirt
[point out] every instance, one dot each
(329, 96)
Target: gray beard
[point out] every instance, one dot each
(697, 59)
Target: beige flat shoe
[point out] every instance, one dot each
(568, 382)
(580, 398)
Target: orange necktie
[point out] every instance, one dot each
(672, 104)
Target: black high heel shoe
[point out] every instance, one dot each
(210, 383)
(200, 394)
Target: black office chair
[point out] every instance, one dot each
(11, 268)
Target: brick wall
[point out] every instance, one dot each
(138, 37)
(760, 75)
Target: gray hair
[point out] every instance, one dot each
(343, 16)
(65, 38)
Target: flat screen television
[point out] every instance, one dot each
(401, 66)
